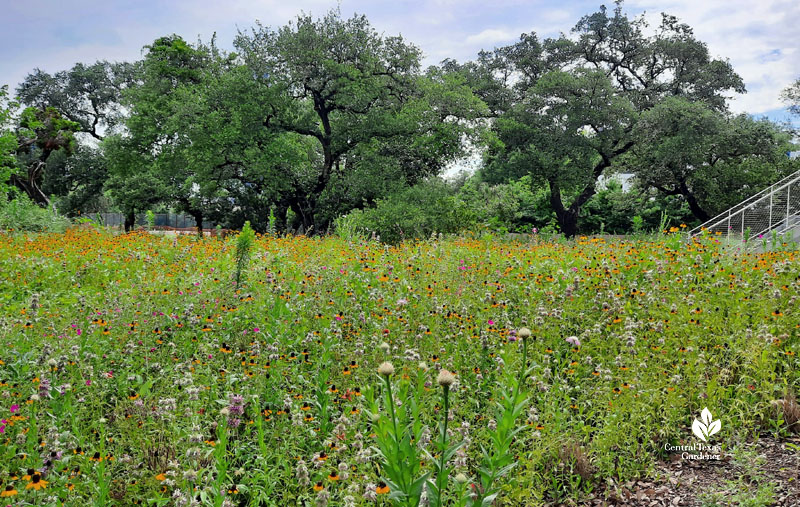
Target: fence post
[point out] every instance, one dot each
(728, 231)
(743, 210)
(769, 226)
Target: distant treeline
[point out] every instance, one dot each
(326, 122)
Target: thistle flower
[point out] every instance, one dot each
(445, 379)
(386, 369)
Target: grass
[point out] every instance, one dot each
(134, 369)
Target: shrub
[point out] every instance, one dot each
(416, 212)
(22, 214)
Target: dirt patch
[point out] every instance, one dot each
(765, 472)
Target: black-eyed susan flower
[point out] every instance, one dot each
(36, 482)
(381, 488)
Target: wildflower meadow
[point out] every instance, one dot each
(139, 369)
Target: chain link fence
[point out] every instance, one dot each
(776, 208)
(162, 220)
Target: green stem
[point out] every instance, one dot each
(394, 426)
(391, 406)
(523, 370)
(442, 476)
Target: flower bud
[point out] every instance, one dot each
(386, 369)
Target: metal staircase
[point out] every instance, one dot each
(776, 208)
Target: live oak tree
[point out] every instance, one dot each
(711, 158)
(88, 95)
(567, 108)
(344, 86)
(155, 139)
(40, 133)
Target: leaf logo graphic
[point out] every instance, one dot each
(705, 427)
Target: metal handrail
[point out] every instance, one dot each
(749, 203)
(753, 199)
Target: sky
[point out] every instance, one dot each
(758, 37)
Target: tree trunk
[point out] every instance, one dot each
(305, 213)
(130, 220)
(694, 206)
(30, 187)
(198, 220)
(280, 217)
(567, 217)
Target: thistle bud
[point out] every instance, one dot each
(386, 369)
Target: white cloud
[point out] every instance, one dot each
(492, 36)
(759, 39)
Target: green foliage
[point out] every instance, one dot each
(637, 223)
(41, 133)
(791, 96)
(710, 158)
(8, 140)
(498, 457)
(151, 219)
(417, 212)
(75, 181)
(244, 245)
(570, 114)
(397, 436)
(22, 214)
(514, 206)
(88, 95)
(311, 403)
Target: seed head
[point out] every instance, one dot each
(445, 378)
(386, 369)
(524, 333)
